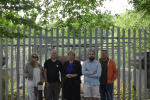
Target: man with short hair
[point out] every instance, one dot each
(91, 70)
(108, 76)
(52, 67)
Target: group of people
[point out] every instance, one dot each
(98, 77)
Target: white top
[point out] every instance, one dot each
(36, 78)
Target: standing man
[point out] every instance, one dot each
(108, 76)
(52, 67)
(91, 70)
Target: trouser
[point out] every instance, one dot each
(52, 91)
(106, 91)
(32, 91)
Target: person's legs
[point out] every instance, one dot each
(94, 98)
(87, 92)
(48, 92)
(103, 92)
(31, 93)
(76, 92)
(109, 90)
(88, 98)
(95, 92)
(36, 92)
(56, 91)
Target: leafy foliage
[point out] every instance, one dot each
(10, 17)
(142, 6)
(82, 14)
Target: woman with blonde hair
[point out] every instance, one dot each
(71, 73)
(34, 72)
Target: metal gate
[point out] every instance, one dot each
(130, 49)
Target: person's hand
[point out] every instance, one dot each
(42, 81)
(94, 72)
(68, 75)
(111, 82)
(27, 75)
(46, 84)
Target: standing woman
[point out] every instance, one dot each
(34, 72)
(71, 73)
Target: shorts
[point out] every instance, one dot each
(91, 91)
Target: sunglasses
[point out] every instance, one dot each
(34, 57)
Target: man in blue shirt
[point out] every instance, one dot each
(91, 70)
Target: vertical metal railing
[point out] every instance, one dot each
(6, 68)
(24, 54)
(90, 39)
(129, 65)
(11, 66)
(101, 39)
(79, 30)
(140, 63)
(145, 63)
(17, 63)
(134, 56)
(86, 41)
(85, 52)
(63, 41)
(96, 45)
(118, 64)
(1, 70)
(112, 50)
(57, 40)
(46, 48)
(68, 39)
(124, 87)
(73, 39)
(51, 39)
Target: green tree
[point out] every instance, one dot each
(78, 14)
(141, 6)
(10, 17)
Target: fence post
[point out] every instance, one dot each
(1, 81)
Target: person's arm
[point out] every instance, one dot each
(115, 72)
(42, 74)
(45, 75)
(98, 72)
(85, 72)
(63, 74)
(79, 72)
(25, 71)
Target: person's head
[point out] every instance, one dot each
(34, 57)
(104, 54)
(71, 55)
(91, 55)
(53, 54)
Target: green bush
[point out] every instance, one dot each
(126, 91)
(9, 87)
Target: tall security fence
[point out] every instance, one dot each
(129, 48)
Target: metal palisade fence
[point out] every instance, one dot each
(130, 49)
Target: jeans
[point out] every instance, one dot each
(106, 91)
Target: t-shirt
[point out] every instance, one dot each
(103, 78)
(53, 69)
(36, 78)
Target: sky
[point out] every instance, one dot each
(116, 6)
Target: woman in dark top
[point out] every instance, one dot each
(71, 73)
